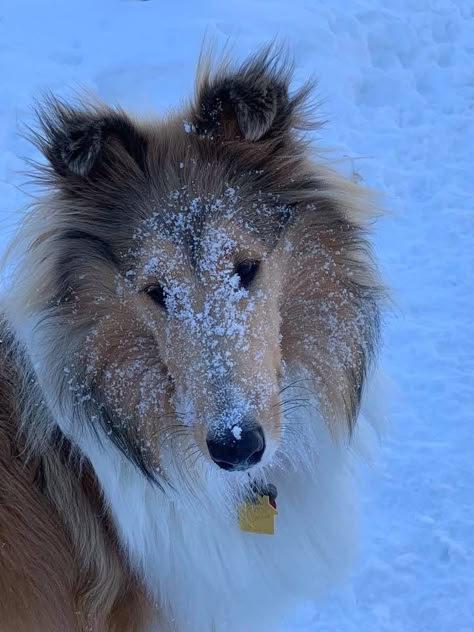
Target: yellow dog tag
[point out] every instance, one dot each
(258, 516)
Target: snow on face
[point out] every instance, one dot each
(215, 331)
(208, 353)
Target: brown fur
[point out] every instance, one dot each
(60, 568)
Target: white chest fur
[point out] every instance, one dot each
(206, 574)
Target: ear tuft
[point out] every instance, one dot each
(79, 141)
(79, 146)
(242, 106)
(251, 102)
(257, 107)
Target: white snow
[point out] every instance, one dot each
(237, 432)
(396, 82)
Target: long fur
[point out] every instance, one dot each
(113, 506)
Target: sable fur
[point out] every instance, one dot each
(100, 413)
(59, 566)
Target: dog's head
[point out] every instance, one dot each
(183, 269)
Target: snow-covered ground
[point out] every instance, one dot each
(396, 81)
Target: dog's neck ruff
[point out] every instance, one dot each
(197, 562)
(186, 544)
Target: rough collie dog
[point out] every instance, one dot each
(188, 332)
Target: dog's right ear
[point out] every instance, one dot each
(250, 102)
(80, 142)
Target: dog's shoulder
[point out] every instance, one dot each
(41, 581)
(32, 550)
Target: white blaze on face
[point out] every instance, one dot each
(213, 334)
(210, 317)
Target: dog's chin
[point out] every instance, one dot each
(240, 480)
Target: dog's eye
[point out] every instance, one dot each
(157, 294)
(247, 271)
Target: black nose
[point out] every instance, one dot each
(237, 449)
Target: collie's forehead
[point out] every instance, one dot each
(207, 227)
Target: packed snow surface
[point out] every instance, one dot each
(396, 84)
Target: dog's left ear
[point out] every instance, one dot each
(78, 142)
(250, 103)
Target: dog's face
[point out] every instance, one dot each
(209, 294)
(184, 340)
(188, 265)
